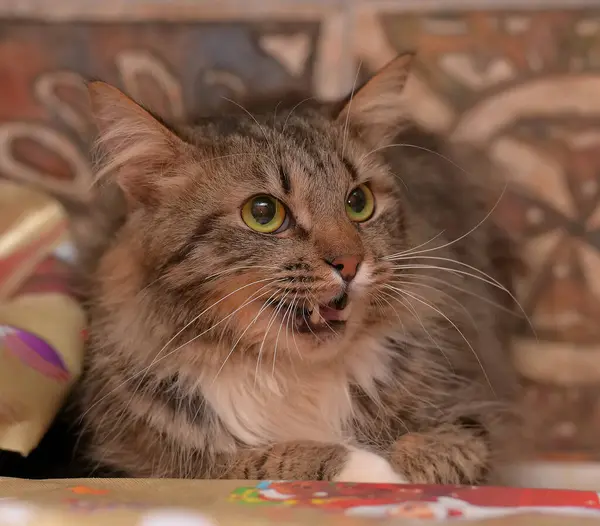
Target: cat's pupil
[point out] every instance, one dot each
(357, 200)
(263, 210)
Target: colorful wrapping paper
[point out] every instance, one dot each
(41, 326)
(229, 503)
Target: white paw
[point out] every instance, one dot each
(364, 466)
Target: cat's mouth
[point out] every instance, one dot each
(319, 317)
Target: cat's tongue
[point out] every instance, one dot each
(331, 314)
(338, 310)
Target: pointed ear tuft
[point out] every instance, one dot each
(135, 147)
(378, 110)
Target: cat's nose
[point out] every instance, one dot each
(347, 265)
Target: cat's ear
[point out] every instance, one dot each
(134, 146)
(378, 110)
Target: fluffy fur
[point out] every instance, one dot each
(196, 367)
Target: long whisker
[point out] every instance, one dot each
(226, 325)
(244, 267)
(418, 298)
(288, 317)
(490, 279)
(275, 112)
(269, 325)
(247, 302)
(410, 250)
(105, 170)
(281, 324)
(487, 279)
(401, 181)
(393, 308)
(263, 131)
(290, 114)
(418, 318)
(401, 384)
(260, 311)
(377, 299)
(135, 390)
(460, 289)
(486, 217)
(489, 213)
(349, 108)
(448, 260)
(443, 293)
(271, 280)
(155, 361)
(296, 302)
(456, 271)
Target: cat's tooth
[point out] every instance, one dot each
(345, 314)
(315, 316)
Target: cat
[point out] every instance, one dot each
(315, 291)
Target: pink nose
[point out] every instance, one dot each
(347, 265)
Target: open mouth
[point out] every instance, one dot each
(318, 317)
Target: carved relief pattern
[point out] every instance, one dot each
(54, 144)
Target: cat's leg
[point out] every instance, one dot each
(144, 452)
(449, 454)
(309, 461)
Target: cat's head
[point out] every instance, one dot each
(264, 233)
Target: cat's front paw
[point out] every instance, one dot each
(364, 466)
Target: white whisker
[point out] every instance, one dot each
(392, 307)
(269, 325)
(487, 279)
(247, 302)
(410, 250)
(290, 114)
(427, 304)
(271, 280)
(263, 131)
(349, 107)
(293, 332)
(244, 267)
(460, 289)
(261, 310)
(486, 217)
(443, 293)
(418, 318)
(283, 320)
(155, 361)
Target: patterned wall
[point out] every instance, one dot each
(524, 85)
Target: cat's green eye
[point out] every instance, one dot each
(264, 214)
(360, 204)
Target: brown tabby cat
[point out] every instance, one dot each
(306, 293)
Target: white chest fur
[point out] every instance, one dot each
(288, 404)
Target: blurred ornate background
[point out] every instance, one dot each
(518, 78)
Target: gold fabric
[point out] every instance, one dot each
(41, 341)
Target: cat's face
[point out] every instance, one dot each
(295, 232)
(267, 235)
